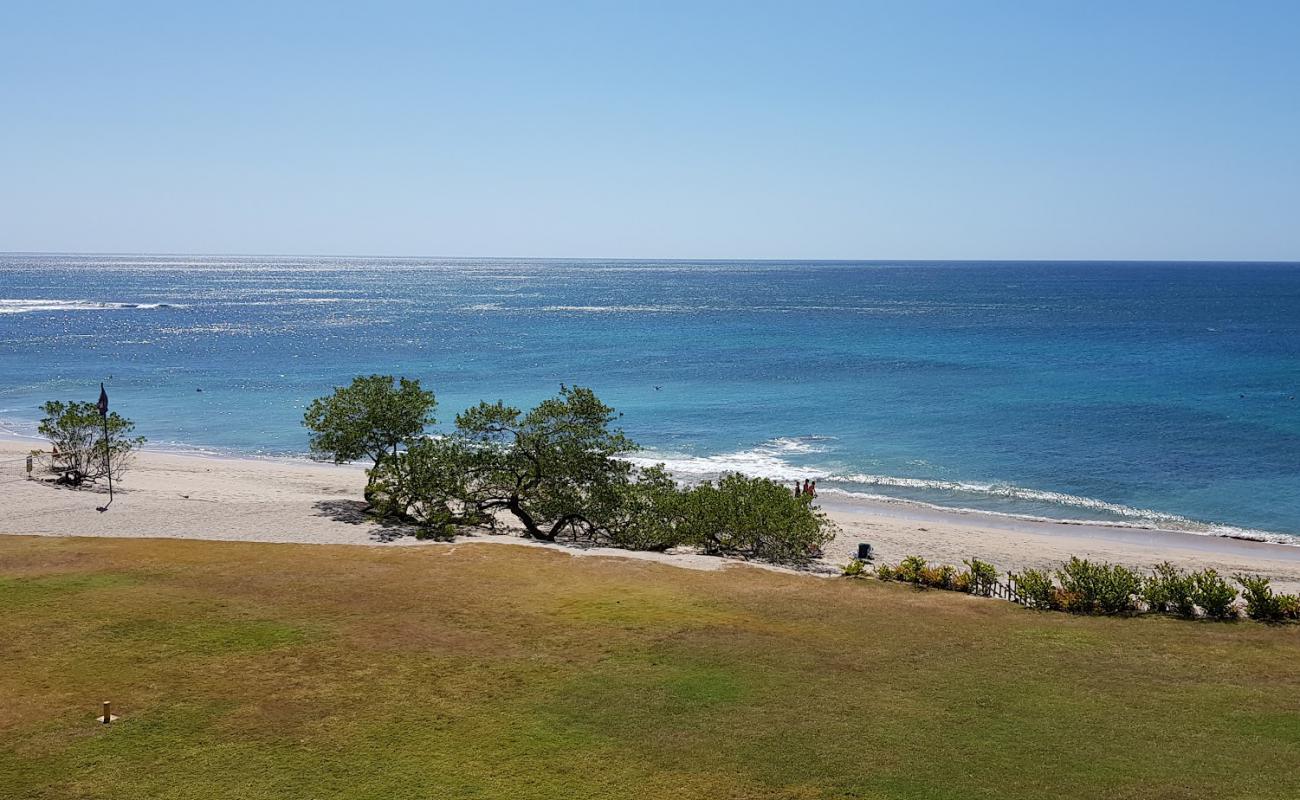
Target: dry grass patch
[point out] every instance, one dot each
(283, 671)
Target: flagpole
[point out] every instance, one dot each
(108, 458)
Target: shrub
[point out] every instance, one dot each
(910, 569)
(1037, 590)
(76, 432)
(1261, 603)
(886, 573)
(1169, 590)
(940, 577)
(1289, 606)
(854, 569)
(754, 517)
(982, 577)
(961, 583)
(1094, 588)
(1213, 594)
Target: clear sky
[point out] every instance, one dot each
(979, 129)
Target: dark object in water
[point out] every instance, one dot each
(865, 553)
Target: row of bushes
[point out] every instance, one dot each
(1081, 586)
(978, 578)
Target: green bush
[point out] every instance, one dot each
(1169, 590)
(886, 573)
(76, 432)
(854, 569)
(755, 518)
(1213, 594)
(1261, 603)
(1098, 588)
(910, 569)
(1289, 606)
(1037, 590)
(982, 577)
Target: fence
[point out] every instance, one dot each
(20, 468)
(1008, 591)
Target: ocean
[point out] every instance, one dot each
(1145, 394)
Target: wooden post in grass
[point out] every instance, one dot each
(107, 718)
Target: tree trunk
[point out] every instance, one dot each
(531, 529)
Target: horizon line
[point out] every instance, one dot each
(646, 258)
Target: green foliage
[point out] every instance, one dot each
(1095, 588)
(909, 569)
(854, 569)
(1261, 603)
(886, 573)
(646, 513)
(982, 576)
(552, 468)
(1037, 590)
(1169, 590)
(1213, 594)
(371, 418)
(754, 518)
(556, 470)
(76, 432)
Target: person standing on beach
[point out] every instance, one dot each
(797, 490)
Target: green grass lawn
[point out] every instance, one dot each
(483, 671)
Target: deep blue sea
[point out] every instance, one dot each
(1154, 394)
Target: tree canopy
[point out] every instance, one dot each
(371, 418)
(558, 469)
(81, 453)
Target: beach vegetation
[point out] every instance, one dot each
(1098, 588)
(80, 452)
(753, 518)
(981, 577)
(910, 568)
(1261, 603)
(558, 471)
(1169, 590)
(1215, 597)
(1037, 590)
(373, 418)
(856, 568)
(554, 468)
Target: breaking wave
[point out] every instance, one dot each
(10, 306)
(771, 460)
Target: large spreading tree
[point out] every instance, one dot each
(559, 471)
(373, 418)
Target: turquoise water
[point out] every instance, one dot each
(1132, 393)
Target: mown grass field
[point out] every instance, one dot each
(485, 671)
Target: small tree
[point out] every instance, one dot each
(81, 454)
(371, 418)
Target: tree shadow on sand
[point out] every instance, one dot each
(354, 512)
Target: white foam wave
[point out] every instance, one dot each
(764, 461)
(1156, 522)
(13, 306)
(769, 461)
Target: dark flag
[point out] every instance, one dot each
(103, 401)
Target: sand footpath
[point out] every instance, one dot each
(264, 500)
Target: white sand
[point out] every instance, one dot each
(201, 497)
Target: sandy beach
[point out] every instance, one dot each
(183, 496)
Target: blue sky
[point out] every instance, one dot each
(1112, 130)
